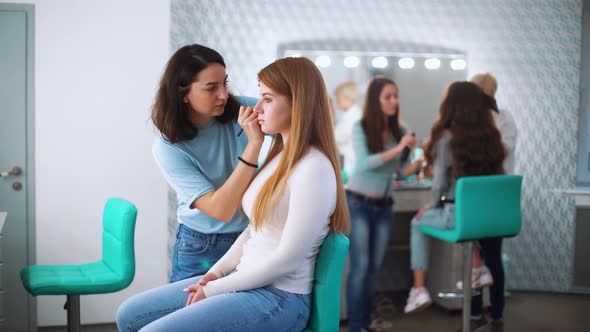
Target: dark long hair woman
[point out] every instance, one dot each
(476, 145)
(464, 141)
(172, 113)
(379, 141)
(202, 156)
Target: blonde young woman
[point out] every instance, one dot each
(263, 283)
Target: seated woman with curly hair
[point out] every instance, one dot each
(463, 141)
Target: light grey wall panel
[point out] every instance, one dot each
(532, 46)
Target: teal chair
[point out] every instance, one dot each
(112, 273)
(325, 307)
(485, 206)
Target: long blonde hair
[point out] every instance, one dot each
(311, 126)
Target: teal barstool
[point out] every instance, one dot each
(325, 306)
(485, 206)
(112, 273)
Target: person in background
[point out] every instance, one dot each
(492, 273)
(198, 148)
(264, 282)
(379, 140)
(464, 141)
(502, 118)
(346, 95)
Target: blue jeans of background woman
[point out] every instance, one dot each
(196, 252)
(369, 236)
(443, 218)
(258, 310)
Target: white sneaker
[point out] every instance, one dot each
(419, 299)
(481, 277)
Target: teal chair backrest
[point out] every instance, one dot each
(325, 309)
(487, 206)
(118, 224)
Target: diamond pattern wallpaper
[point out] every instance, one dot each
(533, 47)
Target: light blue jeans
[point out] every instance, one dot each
(195, 252)
(369, 236)
(443, 218)
(263, 309)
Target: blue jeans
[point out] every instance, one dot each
(443, 218)
(262, 309)
(369, 236)
(195, 252)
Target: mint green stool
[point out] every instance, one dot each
(325, 306)
(485, 206)
(112, 273)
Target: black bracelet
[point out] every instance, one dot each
(247, 163)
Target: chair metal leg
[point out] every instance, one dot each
(467, 253)
(73, 308)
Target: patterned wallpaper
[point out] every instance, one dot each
(532, 46)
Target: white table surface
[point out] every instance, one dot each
(581, 194)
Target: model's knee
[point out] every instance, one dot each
(127, 314)
(122, 318)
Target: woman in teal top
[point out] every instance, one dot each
(379, 141)
(204, 156)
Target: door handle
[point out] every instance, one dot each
(14, 171)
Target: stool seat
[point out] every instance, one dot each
(90, 278)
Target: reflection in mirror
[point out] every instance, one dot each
(422, 72)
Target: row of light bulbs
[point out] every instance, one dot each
(352, 61)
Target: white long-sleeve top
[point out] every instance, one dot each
(343, 134)
(284, 251)
(509, 133)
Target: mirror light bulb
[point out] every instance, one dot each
(406, 63)
(432, 63)
(458, 64)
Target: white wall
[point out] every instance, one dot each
(97, 65)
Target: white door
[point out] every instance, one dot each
(16, 164)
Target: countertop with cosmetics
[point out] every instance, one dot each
(411, 195)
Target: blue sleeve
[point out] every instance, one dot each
(363, 160)
(180, 172)
(247, 101)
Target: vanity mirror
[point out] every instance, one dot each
(422, 72)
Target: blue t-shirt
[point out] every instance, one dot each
(198, 166)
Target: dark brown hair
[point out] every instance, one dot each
(373, 121)
(169, 113)
(492, 104)
(476, 145)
